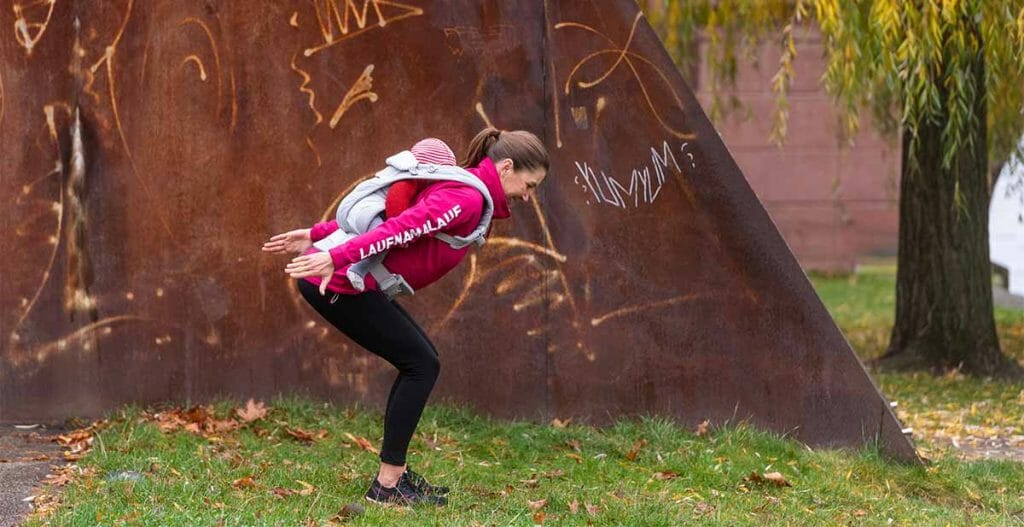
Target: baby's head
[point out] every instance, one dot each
(433, 151)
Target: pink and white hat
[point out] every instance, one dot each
(434, 151)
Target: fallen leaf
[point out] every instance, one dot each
(665, 475)
(592, 509)
(770, 477)
(532, 483)
(702, 429)
(243, 482)
(702, 508)
(252, 411)
(281, 492)
(198, 414)
(860, 513)
(302, 435)
(574, 506)
(58, 480)
(637, 445)
(307, 489)
(577, 457)
(538, 518)
(217, 427)
(558, 423)
(362, 442)
(537, 505)
(574, 444)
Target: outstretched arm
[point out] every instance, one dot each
(441, 210)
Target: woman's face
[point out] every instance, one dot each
(519, 183)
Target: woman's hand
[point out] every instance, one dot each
(315, 264)
(296, 241)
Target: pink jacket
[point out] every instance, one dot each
(422, 259)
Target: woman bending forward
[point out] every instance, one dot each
(510, 164)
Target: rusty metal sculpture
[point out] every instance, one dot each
(146, 150)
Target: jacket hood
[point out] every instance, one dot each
(487, 173)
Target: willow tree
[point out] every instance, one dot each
(948, 77)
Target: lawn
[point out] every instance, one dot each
(298, 462)
(282, 470)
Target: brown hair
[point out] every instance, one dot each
(525, 150)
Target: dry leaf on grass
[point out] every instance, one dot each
(306, 490)
(633, 452)
(304, 435)
(702, 428)
(538, 518)
(592, 509)
(769, 477)
(537, 505)
(666, 475)
(252, 411)
(362, 442)
(242, 483)
(574, 506)
(703, 508)
(558, 423)
(281, 492)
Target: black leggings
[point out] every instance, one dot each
(385, 329)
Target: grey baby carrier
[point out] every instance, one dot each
(362, 209)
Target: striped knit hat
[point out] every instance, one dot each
(402, 193)
(433, 151)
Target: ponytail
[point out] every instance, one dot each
(525, 150)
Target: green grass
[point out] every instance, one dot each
(937, 408)
(497, 467)
(863, 304)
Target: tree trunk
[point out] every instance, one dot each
(944, 311)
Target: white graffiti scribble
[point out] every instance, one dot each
(645, 183)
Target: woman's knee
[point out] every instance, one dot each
(430, 365)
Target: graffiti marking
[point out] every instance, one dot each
(359, 91)
(329, 14)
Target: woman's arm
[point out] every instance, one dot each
(445, 207)
(322, 230)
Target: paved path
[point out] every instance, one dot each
(25, 459)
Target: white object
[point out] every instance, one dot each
(1006, 223)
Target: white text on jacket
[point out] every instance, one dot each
(401, 238)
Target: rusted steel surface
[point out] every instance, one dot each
(648, 278)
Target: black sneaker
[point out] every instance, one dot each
(421, 484)
(403, 494)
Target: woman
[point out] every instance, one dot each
(511, 164)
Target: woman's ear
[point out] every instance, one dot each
(505, 164)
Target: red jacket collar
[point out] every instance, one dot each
(487, 173)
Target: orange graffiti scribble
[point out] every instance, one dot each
(483, 115)
(597, 321)
(199, 64)
(624, 55)
(313, 148)
(359, 91)
(304, 89)
(328, 14)
(213, 49)
(23, 28)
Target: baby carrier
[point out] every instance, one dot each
(362, 209)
